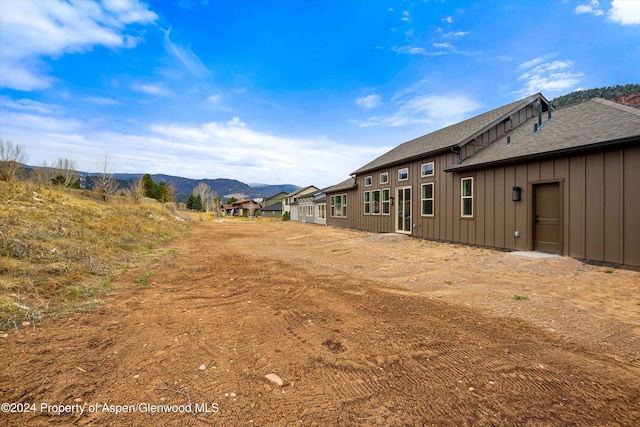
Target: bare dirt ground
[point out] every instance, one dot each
(362, 329)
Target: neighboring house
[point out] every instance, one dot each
(272, 211)
(276, 198)
(241, 207)
(290, 201)
(520, 177)
(312, 207)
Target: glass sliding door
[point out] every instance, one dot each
(403, 210)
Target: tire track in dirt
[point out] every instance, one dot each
(349, 353)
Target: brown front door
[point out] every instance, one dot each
(547, 217)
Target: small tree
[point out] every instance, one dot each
(163, 193)
(217, 205)
(206, 195)
(190, 201)
(10, 158)
(104, 183)
(149, 186)
(197, 204)
(136, 189)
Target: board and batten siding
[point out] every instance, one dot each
(600, 209)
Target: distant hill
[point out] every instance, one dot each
(226, 188)
(627, 94)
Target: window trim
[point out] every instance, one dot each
(343, 206)
(433, 170)
(367, 203)
(386, 175)
(423, 199)
(463, 197)
(373, 202)
(322, 211)
(369, 180)
(402, 169)
(387, 202)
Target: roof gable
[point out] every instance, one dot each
(304, 190)
(576, 127)
(457, 134)
(347, 184)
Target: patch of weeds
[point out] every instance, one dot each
(173, 252)
(142, 280)
(609, 270)
(520, 298)
(359, 267)
(448, 282)
(335, 250)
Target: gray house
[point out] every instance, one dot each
(519, 177)
(290, 201)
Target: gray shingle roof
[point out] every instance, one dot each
(273, 207)
(446, 137)
(347, 184)
(302, 191)
(575, 127)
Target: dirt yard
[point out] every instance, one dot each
(361, 329)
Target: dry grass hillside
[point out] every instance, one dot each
(61, 249)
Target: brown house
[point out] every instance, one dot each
(520, 177)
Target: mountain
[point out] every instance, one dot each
(627, 94)
(226, 188)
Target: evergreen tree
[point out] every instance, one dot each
(190, 201)
(150, 187)
(197, 204)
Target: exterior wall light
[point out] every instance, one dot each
(516, 194)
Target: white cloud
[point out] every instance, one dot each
(156, 89)
(593, 7)
(33, 30)
(194, 150)
(456, 34)
(448, 19)
(412, 107)
(410, 50)
(215, 98)
(549, 76)
(405, 16)
(186, 56)
(443, 45)
(625, 12)
(236, 122)
(368, 102)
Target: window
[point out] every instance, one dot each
(427, 169)
(384, 178)
(367, 202)
(403, 174)
(286, 202)
(375, 202)
(386, 209)
(322, 211)
(467, 197)
(308, 210)
(427, 199)
(368, 181)
(339, 205)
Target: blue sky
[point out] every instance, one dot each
(300, 92)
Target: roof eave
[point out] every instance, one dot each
(544, 155)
